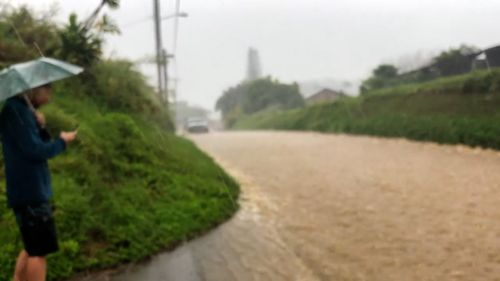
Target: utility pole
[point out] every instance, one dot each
(159, 48)
(166, 57)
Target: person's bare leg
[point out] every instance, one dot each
(37, 269)
(21, 263)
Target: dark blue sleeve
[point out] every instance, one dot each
(24, 132)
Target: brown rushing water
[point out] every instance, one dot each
(336, 207)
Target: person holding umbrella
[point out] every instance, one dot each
(27, 146)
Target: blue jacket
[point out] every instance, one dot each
(26, 149)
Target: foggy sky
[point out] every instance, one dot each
(298, 40)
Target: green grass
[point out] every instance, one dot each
(128, 188)
(463, 109)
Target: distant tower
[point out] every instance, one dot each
(253, 66)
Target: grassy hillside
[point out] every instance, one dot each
(128, 187)
(461, 109)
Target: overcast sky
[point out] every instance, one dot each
(298, 40)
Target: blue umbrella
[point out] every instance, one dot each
(21, 77)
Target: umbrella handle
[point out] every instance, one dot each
(30, 105)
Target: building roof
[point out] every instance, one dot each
(326, 94)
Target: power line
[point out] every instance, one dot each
(136, 22)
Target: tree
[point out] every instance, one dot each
(23, 31)
(79, 45)
(382, 76)
(26, 35)
(265, 93)
(113, 4)
(456, 61)
(451, 62)
(230, 99)
(252, 96)
(385, 71)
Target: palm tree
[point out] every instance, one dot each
(113, 4)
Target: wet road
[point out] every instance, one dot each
(335, 207)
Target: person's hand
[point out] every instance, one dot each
(68, 137)
(40, 118)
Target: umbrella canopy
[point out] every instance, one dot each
(21, 77)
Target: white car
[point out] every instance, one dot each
(197, 125)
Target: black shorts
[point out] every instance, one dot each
(38, 229)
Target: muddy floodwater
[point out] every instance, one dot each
(336, 207)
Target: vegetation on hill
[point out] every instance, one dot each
(128, 187)
(459, 109)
